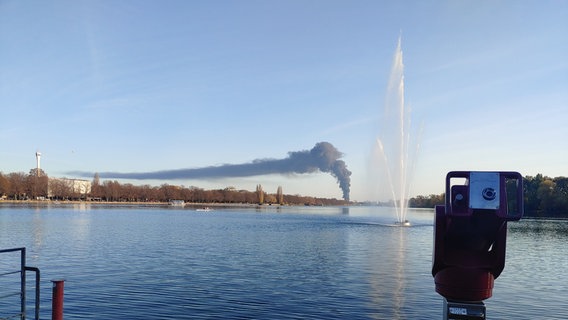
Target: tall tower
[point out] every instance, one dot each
(38, 157)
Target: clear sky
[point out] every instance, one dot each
(141, 86)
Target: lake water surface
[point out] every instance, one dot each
(269, 263)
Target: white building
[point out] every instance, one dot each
(64, 187)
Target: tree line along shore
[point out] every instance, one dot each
(39, 187)
(543, 196)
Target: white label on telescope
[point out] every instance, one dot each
(484, 190)
(460, 311)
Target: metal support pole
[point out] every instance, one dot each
(37, 288)
(57, 301)
(23, 283)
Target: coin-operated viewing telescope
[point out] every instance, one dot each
(470, 234)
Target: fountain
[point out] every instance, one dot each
(394, 148)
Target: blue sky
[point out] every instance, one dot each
(138, 86)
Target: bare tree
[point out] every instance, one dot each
(111, 190)
(60, 189)
(17, 185)
(170, 192)
(96, 188)
(4, 185)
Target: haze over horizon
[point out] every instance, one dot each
(131, 86)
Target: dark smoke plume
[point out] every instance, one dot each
(322, 157)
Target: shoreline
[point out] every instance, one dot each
(141, 203)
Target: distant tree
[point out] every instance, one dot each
(229, 195)
(250, 197)
(427, 202)
(4, 185)
(37, 173)
(112, 190)
(530, 186)
(147, 193)
(269, 198)
(96, 188)
(129, 192)
(239, 196)
(17, 185)
(197, 195)
(60, 189)
(260, 194)
(545, 194)
(170, 192)
(561, 186)
(96, 179)
(560, 202)
(279, 195)
(36, 183)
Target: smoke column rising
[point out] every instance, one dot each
(323, 157)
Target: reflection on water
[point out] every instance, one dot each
(533, 284)
(388, 284)
(285, 263)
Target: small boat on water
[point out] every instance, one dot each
(204, 209)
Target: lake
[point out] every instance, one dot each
(270, 263)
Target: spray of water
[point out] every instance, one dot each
(395, 146)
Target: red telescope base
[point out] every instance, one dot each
(464, 284)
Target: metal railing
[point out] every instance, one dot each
(7, 292)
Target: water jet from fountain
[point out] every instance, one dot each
(395, 149)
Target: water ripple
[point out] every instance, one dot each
(236, 264)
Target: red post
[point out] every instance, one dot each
(57, 300)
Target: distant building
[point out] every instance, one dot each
(64, 187)
(81, 186)
(38, 157)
